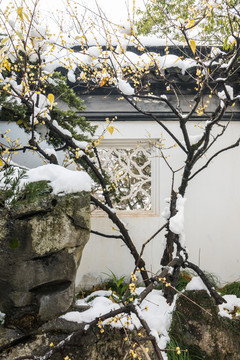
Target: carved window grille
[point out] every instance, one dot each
(129, 170)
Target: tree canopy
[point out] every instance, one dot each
(40, 72)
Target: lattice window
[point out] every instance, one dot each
(129, 170)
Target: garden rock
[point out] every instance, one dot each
(41, 242)
(205, 336)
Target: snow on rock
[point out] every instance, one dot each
(125, 87)
(196, 284)
(176, 223)
(233, 302)
(99, 306)
(62, 180)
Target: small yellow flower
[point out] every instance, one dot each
(51, 344)
(178, 350)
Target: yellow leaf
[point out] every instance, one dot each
(20, 12)
(51, 99)
(19, 34)
(103, 82)
(110, 129)
(191, 23)
(7, 65)
(1, 162)
(193, 46)
(26, 16)
(4, 40)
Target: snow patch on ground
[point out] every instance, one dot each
(233, 302)
(154, 310)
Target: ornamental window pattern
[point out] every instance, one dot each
(129, 168)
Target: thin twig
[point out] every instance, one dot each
(106, 235)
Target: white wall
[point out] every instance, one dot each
(211, 215)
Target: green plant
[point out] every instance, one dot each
(10, 184)
(176, 352)
(32, 191)
(231, 289)
(183, 280)
(118, 285)
(214, 280)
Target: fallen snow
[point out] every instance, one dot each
(62, 180)
(196, 284)
(154, 310)
(226, 308)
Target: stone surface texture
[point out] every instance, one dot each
(205, 336)
(41, 242)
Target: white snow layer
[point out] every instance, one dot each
(166, 211)
(194, 139)
(125, 87)
(196, 284)
(176, 223)
(154, 310)
(232, 303)
(61, 179)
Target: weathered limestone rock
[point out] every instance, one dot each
(41, 242)
(205, 337)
